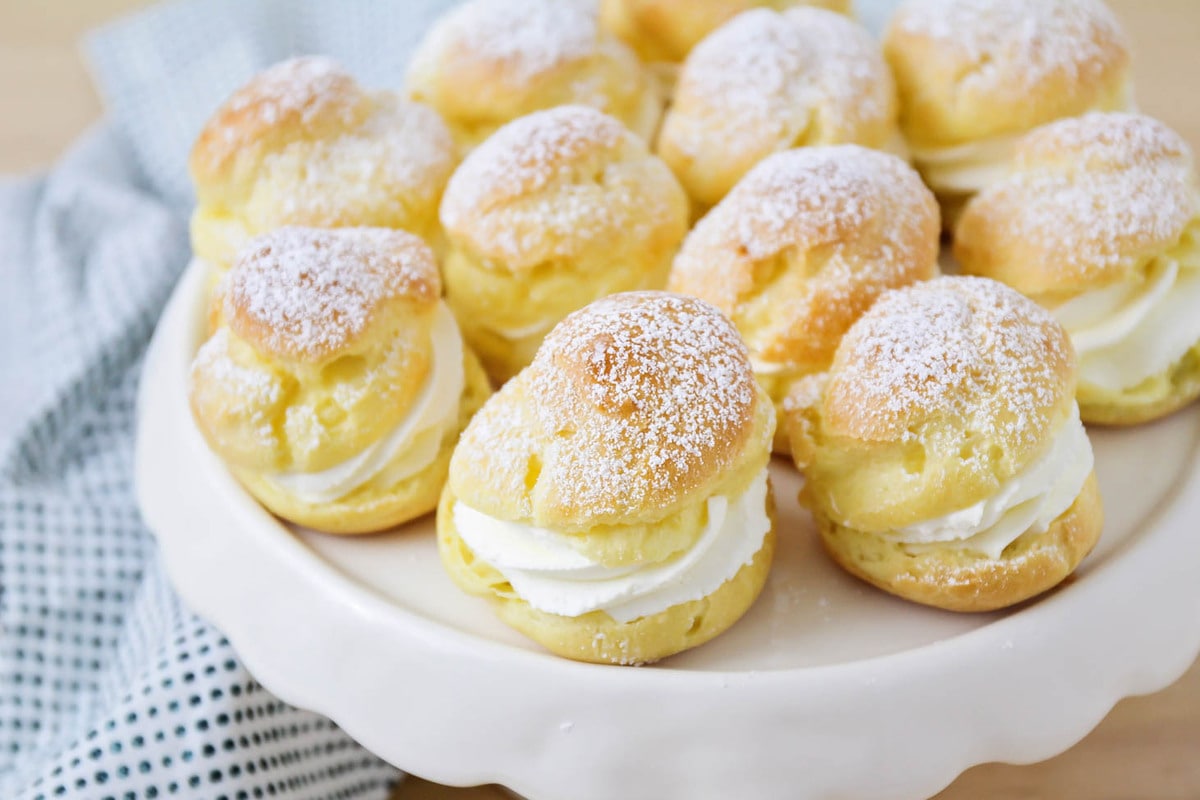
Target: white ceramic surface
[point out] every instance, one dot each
(827, 689)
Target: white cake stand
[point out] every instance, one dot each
(827, 689)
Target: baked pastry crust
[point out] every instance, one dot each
(303, 144)
(938, 396)
(1090, 203)
(488, 62)
(802, 246)
(667, 30)
(768, 81)
(326, 344)
(959, 580)
(637, 410)
(557, 209)
(972, 69)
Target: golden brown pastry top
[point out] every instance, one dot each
(768, 81)
(939, 393)
(487, 62)
(971, 69)
(303, 144)
(633, 407)
(805, 243)
(557, 184)
(1088, 201)
(667, 30)
(306, 294)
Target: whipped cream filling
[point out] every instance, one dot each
(1130, 332)
(415, 441)
(516, 333)
(1028, 501)
(966, 168)
(548, 573)
(972, 166)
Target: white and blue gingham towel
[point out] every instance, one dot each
(109, 688)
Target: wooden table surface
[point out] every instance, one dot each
(1147, 748)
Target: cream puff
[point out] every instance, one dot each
(1099, 221)
(303, 144)
(944, 455)
(338, 383)
(768, 81)
(488, 62)
(802, 246)
(555, 210)
(612, 501)
(665, 31)
(975, 75)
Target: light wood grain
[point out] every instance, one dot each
(1147, 748)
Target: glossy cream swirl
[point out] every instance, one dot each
(551, 575)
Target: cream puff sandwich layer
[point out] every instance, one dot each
(667, 30)
(1100, 222)
(612, 500)
(943, 452)
(768, 81)
(975, 75)
(802, 246)
(488, 62)
(339, 383)
(303, 144)
(555, 210)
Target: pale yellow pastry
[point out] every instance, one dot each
(555, 210)
(488, 62)
(768, 81)
(1099, 221)
(802, 246)
(303, 144)
(974, 75)
(944, 455)
(667, 30)
(338, 384)
(612, 501)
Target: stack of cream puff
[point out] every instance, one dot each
(612, 501)
(975, 75)
(303, 144)
(1099, 221)
(556, 209)
(488, 62)
(945, 458)
(768, 81)
(338, 383)
(802, 246)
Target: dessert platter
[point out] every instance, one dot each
(616, 345)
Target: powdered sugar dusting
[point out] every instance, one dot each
(398, 160)
(805, 73)
(955, 346)
(866, 213)
(542, 181)
(524, 37)
(304, 293)
(1016, 45)
(217, 377)
(640, 389)
(1090, 193)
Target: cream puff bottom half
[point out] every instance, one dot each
(960, 580)
(595, 636)
(372, 507)
(1153, 398)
